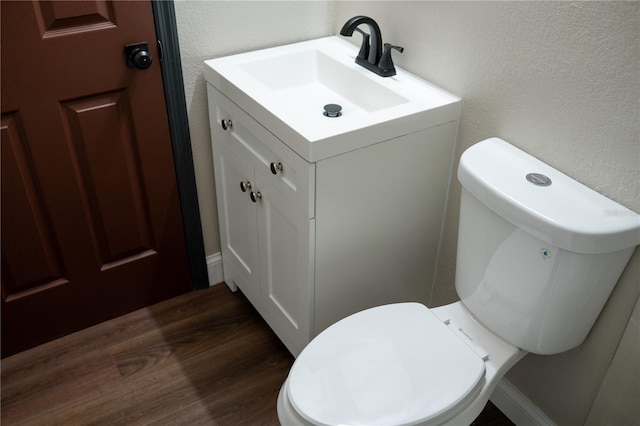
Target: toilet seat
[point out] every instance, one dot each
(394, 364)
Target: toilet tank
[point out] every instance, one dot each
(538, 252)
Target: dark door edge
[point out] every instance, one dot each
(166, 31)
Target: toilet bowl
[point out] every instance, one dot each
(537, 260)
(399, 364)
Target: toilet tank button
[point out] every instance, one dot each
(539, 179)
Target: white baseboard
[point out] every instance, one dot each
(214, 269)
(517, 407)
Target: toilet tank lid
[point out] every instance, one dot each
(564, 213)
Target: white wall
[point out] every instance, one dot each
(560, 80)
(618, 399)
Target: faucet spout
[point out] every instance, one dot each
(371, 56)
(375, 46)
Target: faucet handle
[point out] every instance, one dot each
(364, 48)
(386, 63)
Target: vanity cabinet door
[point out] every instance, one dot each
(267, 229)
(286, 247)
(237, 216)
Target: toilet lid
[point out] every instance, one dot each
(395, 364)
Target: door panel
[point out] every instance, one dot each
(56, 15)
(25, 226)
(58, 18)
(91, 221)
(105, 156)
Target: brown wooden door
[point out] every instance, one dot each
(91, 221)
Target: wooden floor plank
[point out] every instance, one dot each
(74, 374)
(204, 358)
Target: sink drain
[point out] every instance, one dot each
(332, 110)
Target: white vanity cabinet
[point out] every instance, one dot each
(323, 217)
(266, 220)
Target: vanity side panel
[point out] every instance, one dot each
(379, 213)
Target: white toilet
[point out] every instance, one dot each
(538, 255)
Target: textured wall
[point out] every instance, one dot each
(560, 80)
(618, 399)
(210, 29)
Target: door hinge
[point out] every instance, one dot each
(160, 51)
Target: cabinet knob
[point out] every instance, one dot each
(244, 186)
(275, 168)
(255, 196)
(226, 124)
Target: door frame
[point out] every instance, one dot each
(169, 50)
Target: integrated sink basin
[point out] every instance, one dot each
(286, 88)
(309, 79)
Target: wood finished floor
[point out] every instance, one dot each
(203, 358)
